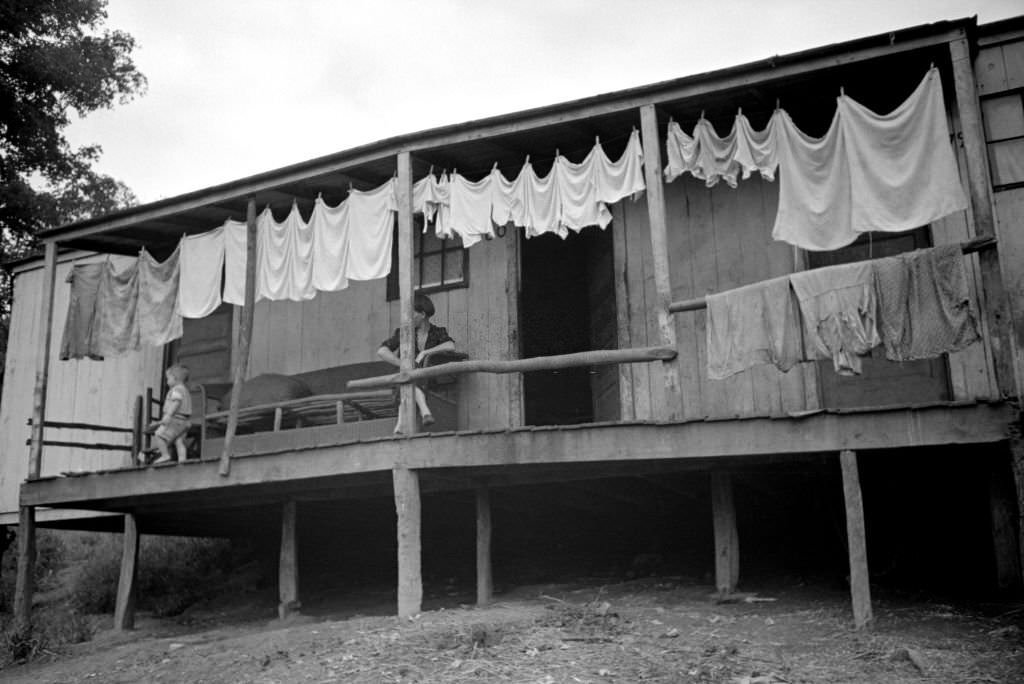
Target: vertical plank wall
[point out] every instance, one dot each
(337, 328)
(100, 392)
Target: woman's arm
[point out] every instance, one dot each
(447, 345)
(391, 357)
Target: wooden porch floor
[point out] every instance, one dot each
(311, 464)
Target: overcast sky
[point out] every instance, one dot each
(237, 87)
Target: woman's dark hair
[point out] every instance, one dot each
(422, 303)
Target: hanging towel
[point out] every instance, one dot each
(838, 308)
(681, 152)
(159, 320)
(285, 267)
(427, 196)
(78, 326)
(756, 151)
(508, 198)
(201, 267)
(542, 199)
(924, 305)
(371, 216)
(902, 168)
(577, 193)
(236, 240)
(470, 205)
(815, 193)
(752, 325)
(329, 226)
(622, 178)
(116, 328)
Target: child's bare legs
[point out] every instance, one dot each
(165, 452)
(179, 447)
(421, 404)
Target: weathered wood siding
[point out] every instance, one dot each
(344, 327)
(720, 239)
(99, 392)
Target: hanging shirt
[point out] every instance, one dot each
(76, 342)
(622, 178)
(201, 267)
(285, 267)
(542, 201)
(470, 207)
(924, 305)
(839, 312)
(329, 226)
(116, 329)
(577, 193)
(427, 195)
(159, 319)
(371, 217)
(236, 240)
(508, 199)
(750, 326)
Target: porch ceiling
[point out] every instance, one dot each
(362, 468)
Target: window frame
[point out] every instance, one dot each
(420, 251)
(989, 142)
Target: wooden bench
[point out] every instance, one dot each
(370, 412)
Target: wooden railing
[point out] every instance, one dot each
(136, 431)
(601, 357)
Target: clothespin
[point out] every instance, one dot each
(739, 111)
(778, 104)
(495, 167)
(527, 160)
(350, 186)
(701, 114)
(597, 140)
(431, 172)
(842, 91)
(557, 153)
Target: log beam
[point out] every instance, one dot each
(241, 352)
(727, 544)
(860, 588)
(127, 583)
(288, 562)
(406, 257)
(598, 357)
(24, 582)
(407, 507)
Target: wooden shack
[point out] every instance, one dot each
(586, 355)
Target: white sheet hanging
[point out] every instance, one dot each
(157, 311)
(542, 203)
(622, 178)
(470, 205)
(201, 267)
(329, 226)
(285, 251)
(577, 190)
(371, 218)
(235, 244)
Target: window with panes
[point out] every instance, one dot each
(439, 263)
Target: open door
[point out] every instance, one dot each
(567, 305)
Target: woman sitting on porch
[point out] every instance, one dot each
(428, 339)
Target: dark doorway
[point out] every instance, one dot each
(567, 305)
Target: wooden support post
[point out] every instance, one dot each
(484, 576)
(241, 352)
(288, 562)
(24, 585)
(995, 301)
(1004, 539)
(860, 588)
(673, 405)
(137, 430)
(124, 606)
(727, 544)
(407, 506)
(512, 288)
(35, 458)
(1017, 467)
(406, 255)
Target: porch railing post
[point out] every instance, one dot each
(241, 354)
(407, 413)
(673, 405)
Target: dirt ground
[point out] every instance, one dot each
(653, 630)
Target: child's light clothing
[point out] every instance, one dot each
(177, 425)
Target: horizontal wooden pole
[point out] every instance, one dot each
(85, 445)
(82, 426)
(601, 357)
(318, 399)
(975, 245)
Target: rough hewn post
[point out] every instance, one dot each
(727, 545)
(288, 562)
(124, 607)
(407, 506)
(484, 576)
(241, 353)
(673, 407)
(860, 586)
